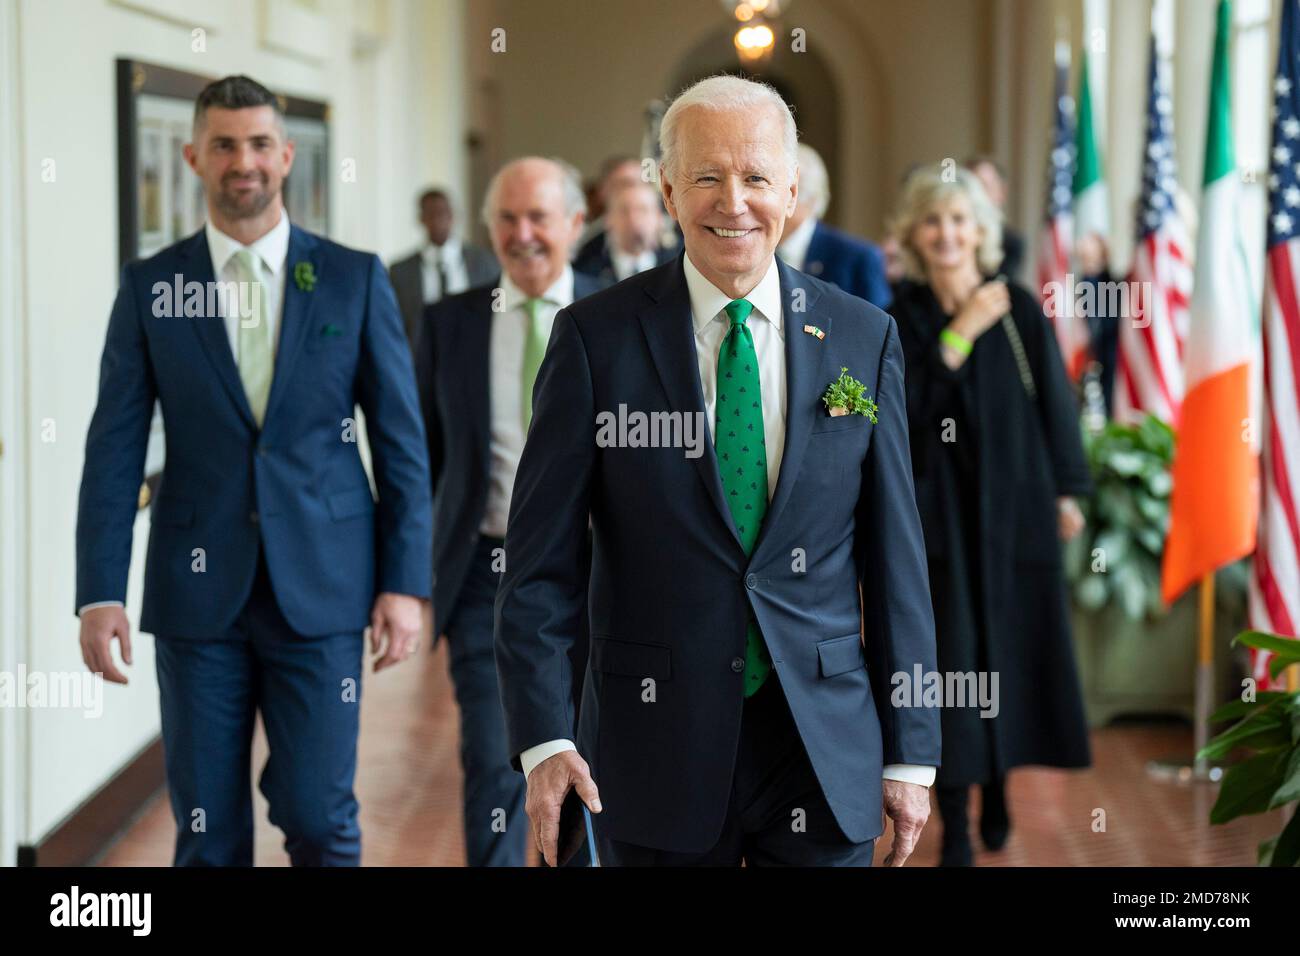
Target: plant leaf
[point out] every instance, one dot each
(1248, 786)
(1290, 789)
(1235, 709)
(1260, 730)
(1286, 851)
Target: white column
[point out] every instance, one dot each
(14, 775)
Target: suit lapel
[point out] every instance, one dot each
(804, 363)
(476, 342)
(196, 266)
(670, 335)
(295, 319)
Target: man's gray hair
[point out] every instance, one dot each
(814, 183)
(575, 200)
(720, 93)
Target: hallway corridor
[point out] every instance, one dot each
(408, 783)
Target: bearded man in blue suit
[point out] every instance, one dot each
(268, 555)
(751, 603)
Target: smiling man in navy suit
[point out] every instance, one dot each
(811, 246)
(477, 357)
(268, 555)
(749, 605)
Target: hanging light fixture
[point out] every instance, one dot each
(755, 36)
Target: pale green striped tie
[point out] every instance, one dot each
(534, 352)
(256, 362)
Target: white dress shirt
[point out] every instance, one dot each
(794, 250)
(451, 255)
(631, 264)
(506, 358)
(765, 326)
(272, 249)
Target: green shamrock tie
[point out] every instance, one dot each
(254, 337)
(742, 457)
(534, 352)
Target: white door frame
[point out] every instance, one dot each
(15, 765)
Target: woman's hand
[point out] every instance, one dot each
(983, 310)
(1069, 519)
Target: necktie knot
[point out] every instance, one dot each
(249, 263)
(533, 307)
(738, 311)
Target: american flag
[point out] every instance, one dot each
(1058, 225)
(1275, 578)
(1149, 378)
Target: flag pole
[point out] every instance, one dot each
(1204, 674)
(1196, 769)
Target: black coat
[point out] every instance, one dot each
(989, 463)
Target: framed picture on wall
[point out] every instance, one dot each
(160, 200)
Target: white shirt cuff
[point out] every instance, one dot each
(86, 607)
(910, 773)
(531, 757)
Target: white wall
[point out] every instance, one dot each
(392, 71)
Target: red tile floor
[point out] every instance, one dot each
(408, 784)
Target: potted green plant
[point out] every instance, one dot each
(1135, 654)
(1267, 726)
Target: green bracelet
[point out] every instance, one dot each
(956, 342)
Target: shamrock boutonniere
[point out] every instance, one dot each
(847, 396)
(305, 276)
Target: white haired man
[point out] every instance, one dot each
(633, 219)
(811, 246)
(477, 357)
(731, 708)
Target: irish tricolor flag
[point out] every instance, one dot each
(1215, 496)
(1090, 212)
(1090, 217)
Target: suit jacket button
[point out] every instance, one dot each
(737, 664)
(751, 581)
(252, 517)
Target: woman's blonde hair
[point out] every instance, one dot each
(926, 187)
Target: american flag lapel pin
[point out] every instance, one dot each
(813, 330)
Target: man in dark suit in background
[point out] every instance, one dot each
(730, 710)
(442, 266)
(477, 358)
(268, 555)
(811, 246)
(615, 172)
(994, 179)
(633, 224)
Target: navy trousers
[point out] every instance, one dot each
(496, 827)
(777, 814)
(308, 690)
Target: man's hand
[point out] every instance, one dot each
(396, 620)
(548, 785)
(1069, 518)
(99, 625)
(908, 805)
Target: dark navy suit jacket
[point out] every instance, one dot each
(671, 588)
(453, 368)
(856, 266)
(296, 484)
(595, 260)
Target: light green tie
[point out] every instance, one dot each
(534, 352)
(255, 358)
